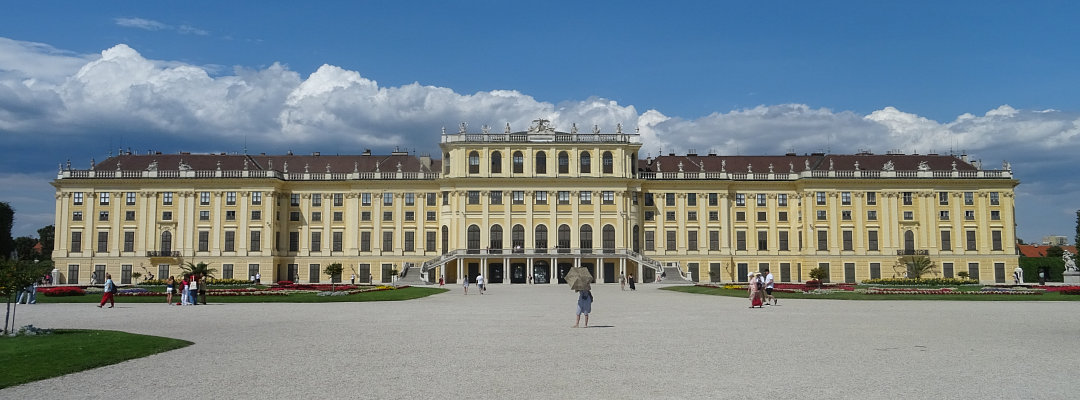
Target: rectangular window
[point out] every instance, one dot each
(782, 216)
(315, 216)
(313, 273)
(845, 215)
(338, 216)
(845, 198)
(388, 240)
(763, 240)
(947, 270)
(823, 240)
(740, 240)
(73, 274)
(410, 199)
(473, 197)
(226, 271)
(294, 241)
(365, 215)
(445, 198)
(871, 215)
(871, 198)
(564, 197)
(872, 241)
(430, 215)
(256, 241)
(971, 241)
(691, 199)
(129, 241)
(410, 215)
(230, 215)
(130, 198)
(762, 216)
(77, 198)
(995, 215)
(740, 216)
(204, 198)
(740, 199)
(820, 196)
(995, 240)
(387, 199)
(909, 215)
(671, 240)
(821, 215)
(104, 198)
(517, 197)
(541, 197)
(256, 215)
(943, 215)
(166, 198)
(294, 199)
(103, 216)
(496, 196)
(256, 198)
(691, 240)
(648, 215)
(650, 240)
(714, 215)
(335, 238)
(316, 199)
(669, 199)
(76, 216)
(365, 199)
(230, 198)
(848, 245)
(875, 271)
(103, 242)
(316, 241)
(608, 197)
(204, 215)
(648, 200)
(907, 198)
(129, 215)
(204, 240)
(762, 200)
(973, 271)
(166, 215)
(670, 215)
(943, 198)
(714, 199)
(585, 197)
(969, 215)
(429, 241)
(253, 271)
(365, 241)
(294, 216)
(784, 246)
(230, 240)
(388, 216)
(339, 199)
(969, 198)
(714, 240)
(781, 200)
(76, 241)
(691, 216)
(994, 200)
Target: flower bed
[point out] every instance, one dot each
(316, 287)
(61, 291)
(983, 291)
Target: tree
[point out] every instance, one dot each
(1054, 252)
(203, 270)
(334, 271)
(818, 274)
(914, 266)
(24, 248)
(7, 220)
(47, 237)
(14, 276)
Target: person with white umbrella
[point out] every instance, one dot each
(579, 280)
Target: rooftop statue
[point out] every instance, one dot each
(888, 166)
(153, 166)
(923, 166)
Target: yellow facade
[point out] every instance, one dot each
(522, 207)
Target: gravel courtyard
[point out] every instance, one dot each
(516, 342)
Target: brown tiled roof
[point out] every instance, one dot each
(294, 163)
(799, 163)
(1039, 250)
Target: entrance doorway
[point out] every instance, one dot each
(609, 272)
(563, 269)
(495, 273)
(517, 273)
(541, 272)
(474, 270)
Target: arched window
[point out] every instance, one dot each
(586, 163)
(609, 163)
(496, 162)
(564, 163)
(585, 237)
(541, 162)
(909, 242)
(517, 238)
(445, 239)
(446, 163)
(496, 238)
(564, 238)
(637, 239)
(609, 239)
(166, 243)
(474, 239)
(540, 237)
(519, 163)
(474, 163)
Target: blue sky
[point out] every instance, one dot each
(996, 80)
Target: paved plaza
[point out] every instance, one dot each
(516, 342)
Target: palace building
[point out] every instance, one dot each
(523, 207)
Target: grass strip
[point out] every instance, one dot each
(33, 358)
(408, 293)
(851, 295)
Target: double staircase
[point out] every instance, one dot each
(418, 275)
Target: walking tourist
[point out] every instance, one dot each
(622, 281)
(480, 283)
(769, 283)
(755, 288)
(193, 290)
(584, 306)
(184, 290)
(630, 280)
(170, 285)
(465, 283)
(110, 290)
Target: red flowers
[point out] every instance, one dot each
(61, 291)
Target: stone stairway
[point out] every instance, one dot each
(672, 275)
(411, 276)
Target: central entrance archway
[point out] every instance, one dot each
(541, 272)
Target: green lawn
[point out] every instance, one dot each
(33, 358)
(844, 295)
(408, 293)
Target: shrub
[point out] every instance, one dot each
(920, 282)
(153, 282)
(817, 274)
(222, 282)
(963, 274)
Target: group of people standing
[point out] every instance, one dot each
(761, 288)
(190, 288)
